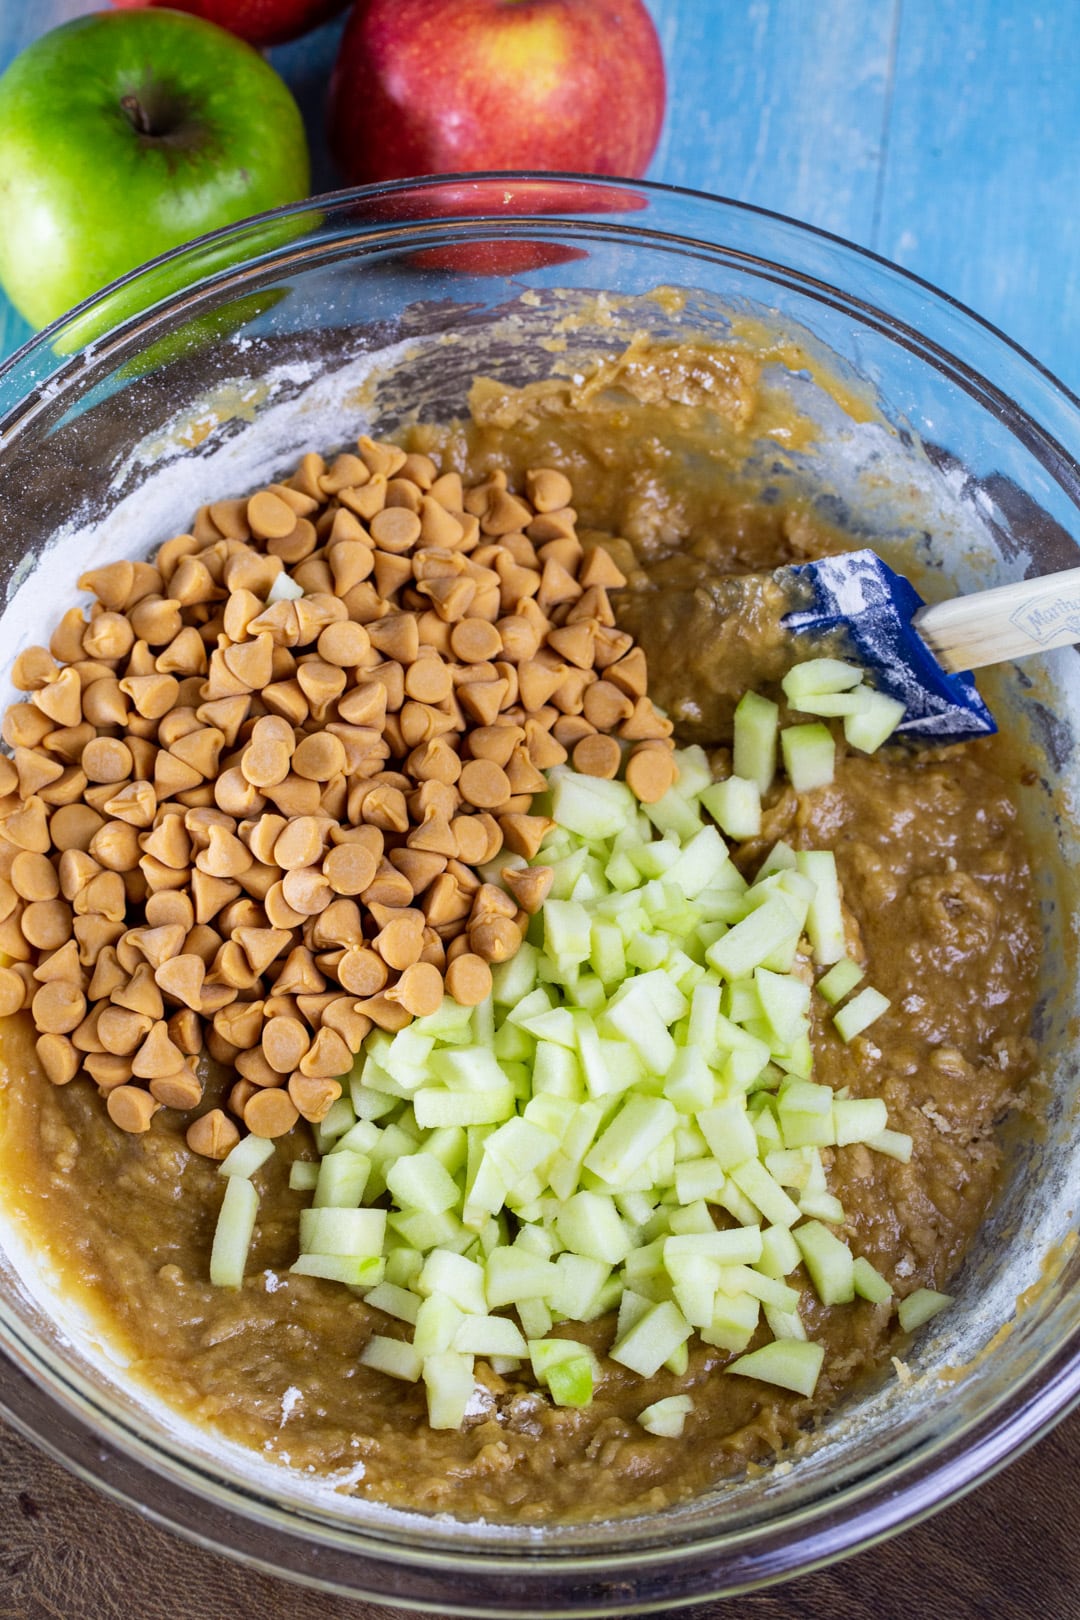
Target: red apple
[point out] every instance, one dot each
(260, 22)
(449, 86)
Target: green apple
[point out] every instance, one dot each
(125, 134)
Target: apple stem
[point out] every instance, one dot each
(136, 112)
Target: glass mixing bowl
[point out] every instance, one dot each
(210, 372)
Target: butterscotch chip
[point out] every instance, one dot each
(522, 774)
(529, 885)
(327, 1057)
(384, 807)
(284, 1042)
(180, 1090)
(104, 895)
(468, 978)
(362, 972)
(538, 679)
(650, 773)
(471, 837)
(395, 528)
(225, 856)
(319, 757)
(397, 637)
(35, 770)
(344, 643)
(108, 1069)
(135, 804)
(307, 890)
(12, 992)
(434, 835)
(483, 700)
(186, 1031)
(58, 1008)
(295, 796)
(170, 906)
(489, 900)
(605, 705)
(300, 843)
(131, 1108)
(569, 729)
(279, 914)
(152, 695)
(229, 972)
(313, 1095)
(181, 978)
(109, 636)
(484, 784)
(253, 1066)
(46, 924)
(261, 946)
(251, 663)
(212, 1135)
(505, 514)
(58, 1058)
(494, 938)
(596, 755)
(61, 699)
(270, 1113)
(33, 668)
(475, 640)
(185, 655)
(349, 868)
(270, 517)
(496, 743)
(240, 1023)
(28, 827)
(548, 489)
(574, 642)
(524, 834)
(240, 1095)
(401, 941)
(345, 472)
(33, 876)
(644, 724)
(349, 554)
(428, 680)
(121, 1031)
(600, 569)
(157, 1055)
(199, 749)
(419, 990)
(24, 726)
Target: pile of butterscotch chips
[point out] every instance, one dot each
(251, 789)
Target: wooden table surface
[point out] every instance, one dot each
(944, 134)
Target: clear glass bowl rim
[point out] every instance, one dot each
(46, 1404)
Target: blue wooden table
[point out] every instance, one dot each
(944, 134)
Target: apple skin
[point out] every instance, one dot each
(451, 86)
(260, 22)
(85, 196)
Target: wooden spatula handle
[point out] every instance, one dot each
(1011, 621)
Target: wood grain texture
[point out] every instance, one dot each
(780, 104)
(1010, 1552)
(942, 133)
(979, 181)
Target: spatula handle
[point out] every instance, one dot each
(1011, 621)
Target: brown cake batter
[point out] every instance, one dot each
(935, 876)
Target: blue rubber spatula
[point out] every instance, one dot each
(920, 654)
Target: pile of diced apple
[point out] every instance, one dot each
(630, 1124)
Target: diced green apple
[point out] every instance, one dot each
(788, 1363)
